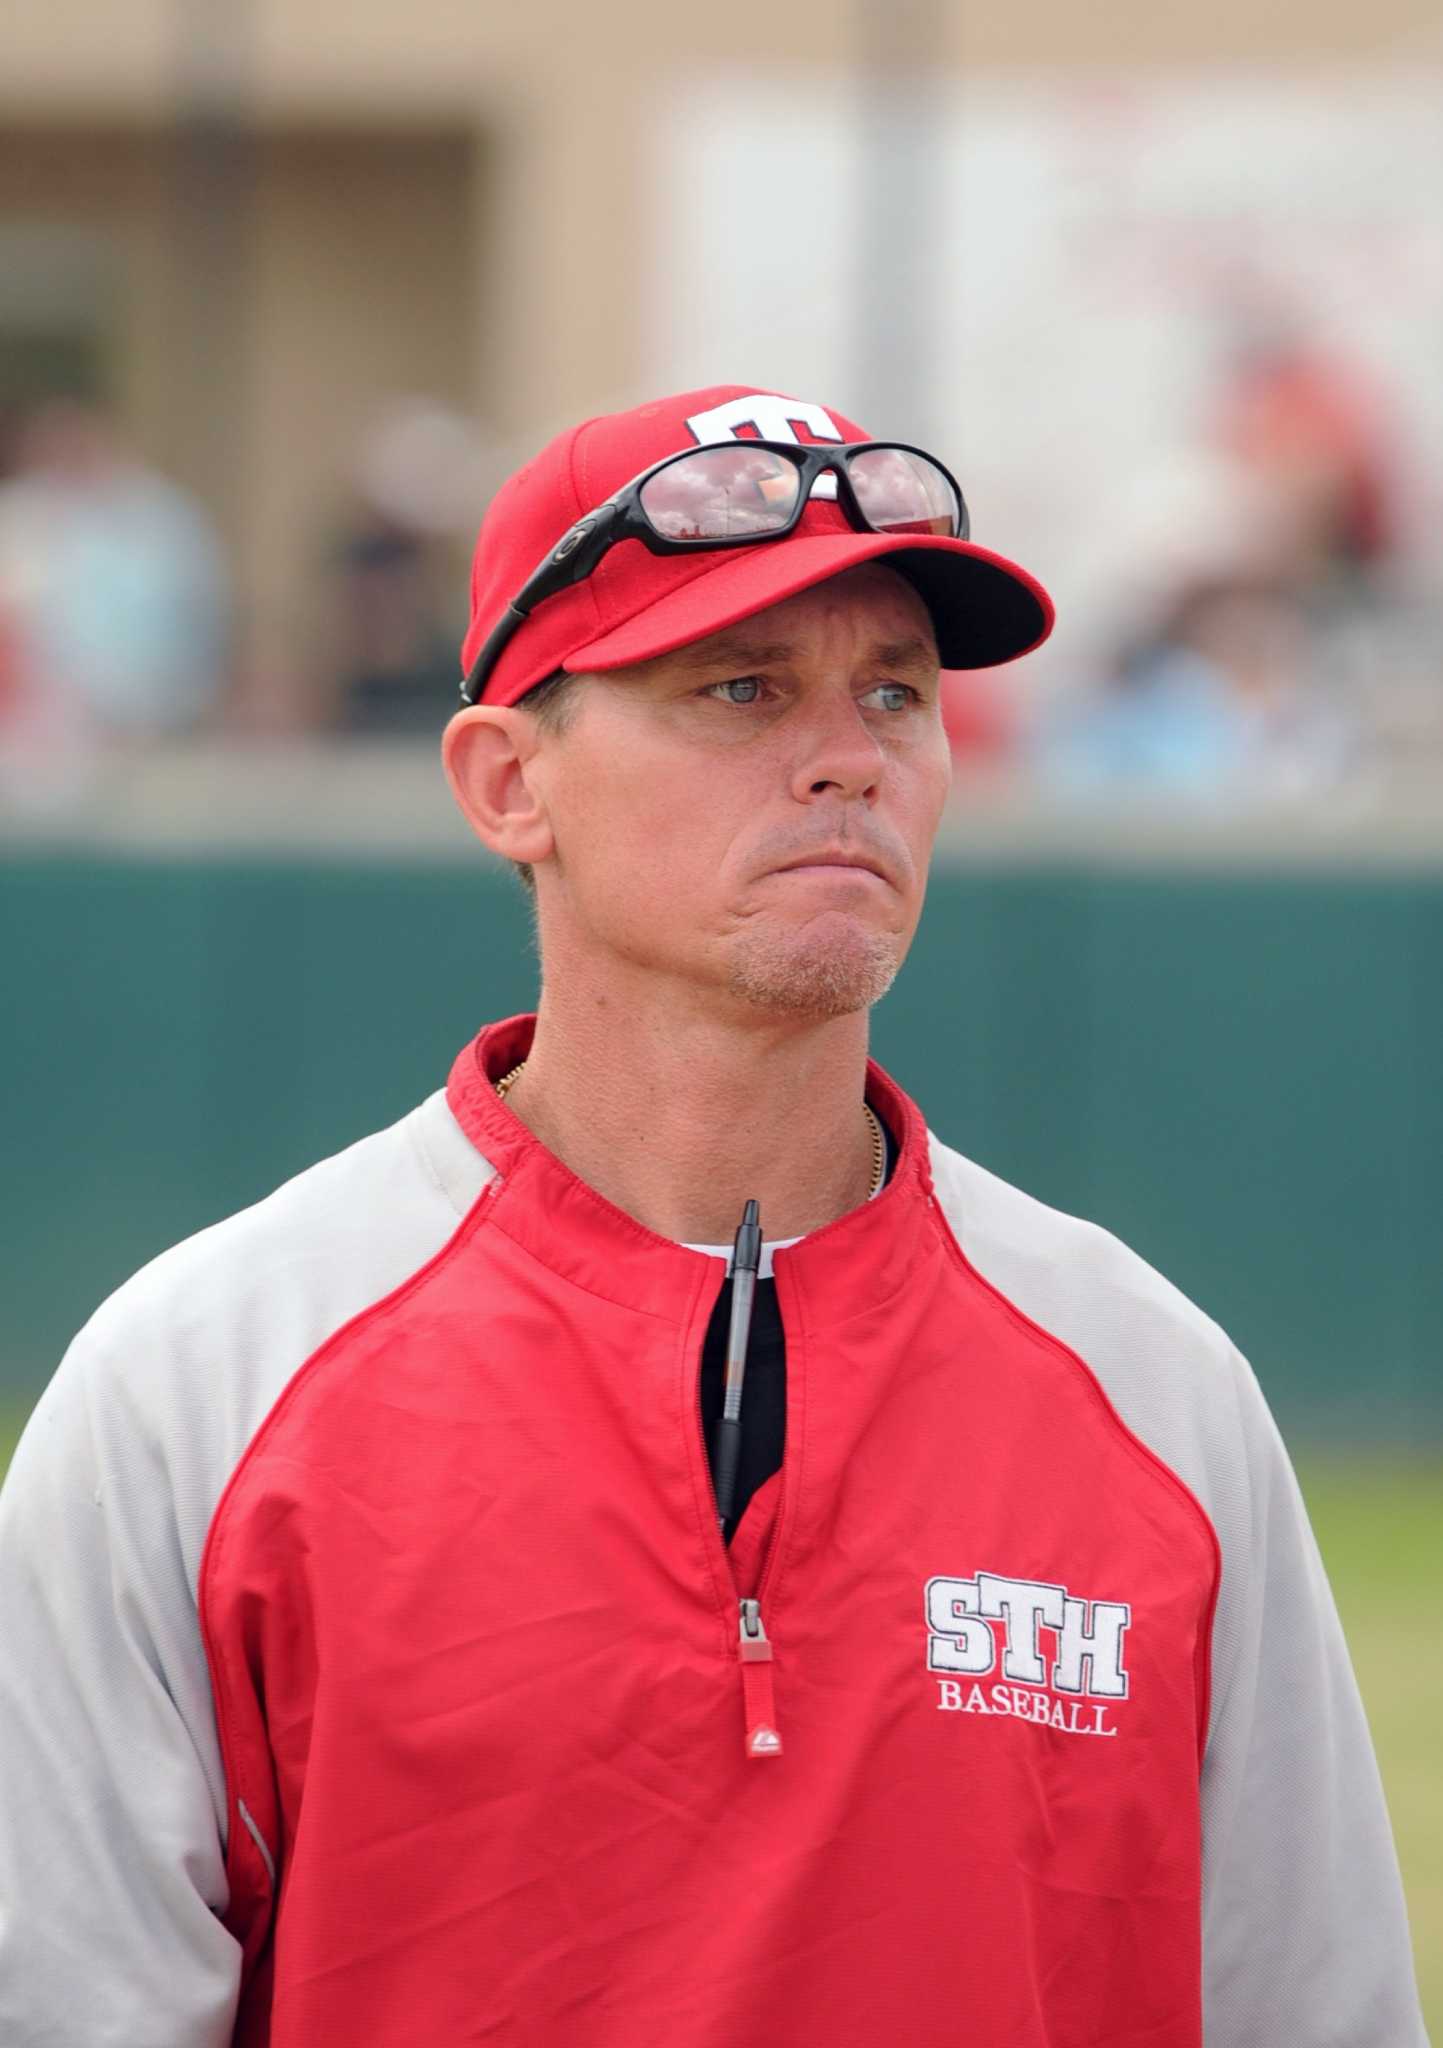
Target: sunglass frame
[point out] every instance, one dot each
(621, 517)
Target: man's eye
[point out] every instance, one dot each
(737, 689)
(895, 696)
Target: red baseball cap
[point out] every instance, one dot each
(636, 604)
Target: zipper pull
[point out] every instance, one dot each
(762, 1738)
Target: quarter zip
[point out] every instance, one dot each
(758, 1705)
(579, 1237)
(761, 1736)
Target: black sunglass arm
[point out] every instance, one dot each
(572, 560)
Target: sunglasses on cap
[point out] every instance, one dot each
(729, 496)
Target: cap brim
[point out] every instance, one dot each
(985, 609)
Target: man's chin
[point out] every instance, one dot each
(832, 969)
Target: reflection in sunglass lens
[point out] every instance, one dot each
(719, 493)
(904, 493)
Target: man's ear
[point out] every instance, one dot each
(485, 750)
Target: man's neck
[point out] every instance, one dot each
(679, 1114)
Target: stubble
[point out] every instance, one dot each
(823, 971)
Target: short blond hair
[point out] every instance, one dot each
(552, 702)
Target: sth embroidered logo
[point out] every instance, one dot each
(1061, 1657)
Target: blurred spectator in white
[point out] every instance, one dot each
(397, 579)
(113, 591)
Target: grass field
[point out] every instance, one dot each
(1380, 1528)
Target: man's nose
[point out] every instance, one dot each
(838, 752)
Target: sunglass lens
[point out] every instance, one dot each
(720, 493)
(900, 492)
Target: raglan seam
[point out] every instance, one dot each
(215, 1547)
(1098, 1237)
(1142, 1453)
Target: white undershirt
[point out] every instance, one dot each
(779, 1244)
(764, 1270)
(769, 1245)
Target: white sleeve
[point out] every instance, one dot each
(111, 1863)
(1305, 1932)
(113, 1801)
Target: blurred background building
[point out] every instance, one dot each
(1166, 287)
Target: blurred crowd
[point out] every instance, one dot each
(1262, 641)
(114, 593)
(1268, 640)
(121, 614)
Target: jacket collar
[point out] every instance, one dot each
(848, 1266)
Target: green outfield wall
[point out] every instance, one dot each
(1240, 1073)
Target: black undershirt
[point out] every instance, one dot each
(764, 1390)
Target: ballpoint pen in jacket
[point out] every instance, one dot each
(727, 1435)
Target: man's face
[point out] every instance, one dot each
(706, 805)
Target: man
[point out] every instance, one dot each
(378, 1669)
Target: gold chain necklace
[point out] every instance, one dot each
(506, 1079)
(879, 1150)
(879, 1143)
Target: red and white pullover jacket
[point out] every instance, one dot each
(374, 1670)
